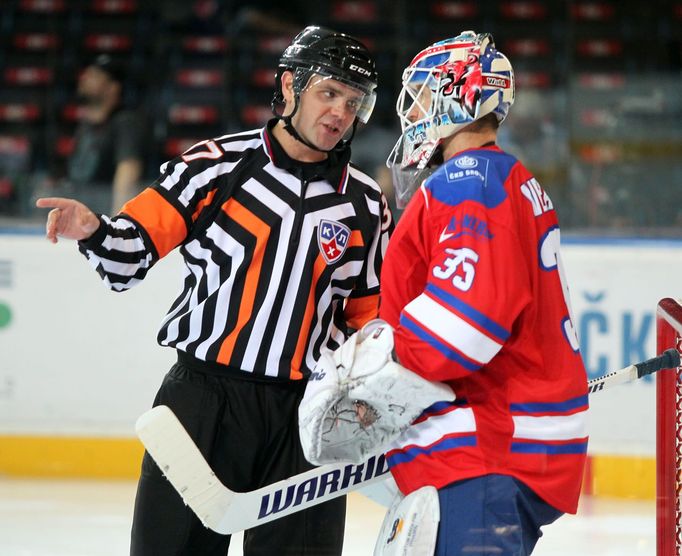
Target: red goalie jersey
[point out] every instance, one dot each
(472, 282)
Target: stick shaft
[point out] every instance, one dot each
(667, 360)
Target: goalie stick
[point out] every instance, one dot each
(669, 359)
(227, 512)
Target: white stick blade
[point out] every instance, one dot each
(227, 512)
(182, 463)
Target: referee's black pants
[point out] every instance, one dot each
(248, 432)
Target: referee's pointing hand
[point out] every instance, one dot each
(68, 218)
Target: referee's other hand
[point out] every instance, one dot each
(69, 219)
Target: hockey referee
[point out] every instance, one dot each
(282, 240)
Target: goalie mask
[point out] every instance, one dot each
(446, 87)
(317, 53)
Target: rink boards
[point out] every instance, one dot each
(79, 363)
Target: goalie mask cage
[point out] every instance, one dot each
(669, 433)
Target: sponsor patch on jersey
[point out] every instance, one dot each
(332, 238)
(468, 167)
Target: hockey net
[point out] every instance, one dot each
(669, 434)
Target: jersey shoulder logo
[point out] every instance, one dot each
(332, 238)
(465, 162)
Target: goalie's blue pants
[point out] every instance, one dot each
(490, 515)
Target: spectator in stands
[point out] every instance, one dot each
(106, 165)
(267, 16)
(234, 18)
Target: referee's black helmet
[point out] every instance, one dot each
(323, 51)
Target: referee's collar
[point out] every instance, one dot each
(334, 169)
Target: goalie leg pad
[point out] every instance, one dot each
(410, 527)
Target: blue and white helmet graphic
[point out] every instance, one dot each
(446, 87)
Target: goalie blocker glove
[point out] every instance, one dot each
(358, 399)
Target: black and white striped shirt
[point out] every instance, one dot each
(280, 257)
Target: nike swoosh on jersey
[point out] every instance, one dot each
(445, 235)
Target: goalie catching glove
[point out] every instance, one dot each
(358, 399)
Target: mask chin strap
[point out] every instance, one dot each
(289, 127)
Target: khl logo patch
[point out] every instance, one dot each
(333, 239)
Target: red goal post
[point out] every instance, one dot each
(668, 433)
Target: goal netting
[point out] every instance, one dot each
(668, 433)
